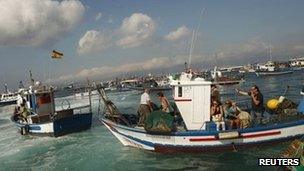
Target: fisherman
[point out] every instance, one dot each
(165, 105)
(145, 107)
(257, 107)
(217, 114)
(231, 114)
(22, 111)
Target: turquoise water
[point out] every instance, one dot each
(97, 149)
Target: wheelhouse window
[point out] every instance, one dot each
(180, 91)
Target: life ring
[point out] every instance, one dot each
(63, 103)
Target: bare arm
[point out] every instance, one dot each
(242, 92)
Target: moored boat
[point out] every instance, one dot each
(192, 98)
(219, 79)
(271, 68)
(8, 97)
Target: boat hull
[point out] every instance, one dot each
(4, 103)
(227, 82)
(205, 141)
(261, 73)
(75, 123)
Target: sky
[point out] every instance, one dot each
(101, 39)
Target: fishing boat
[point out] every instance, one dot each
(8, 97)
(297, 63)
(219, 79)
(35, 114)
(271, 68)
(126, 85)
(192, 98)
(152, 85)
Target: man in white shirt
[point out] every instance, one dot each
(144, 108)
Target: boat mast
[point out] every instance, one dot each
(270, 51)
(31, 77)
(194, 37)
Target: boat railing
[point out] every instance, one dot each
(81, 109)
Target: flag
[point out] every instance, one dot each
(56, 55)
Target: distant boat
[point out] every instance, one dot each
(270, 68)
(297, 63)
(219, 79)
(158, 88)
(35, 114)
(8, 98)
(152, 85)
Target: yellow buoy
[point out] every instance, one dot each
(273, 104)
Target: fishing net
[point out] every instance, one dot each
(286, 107)
(159, 122)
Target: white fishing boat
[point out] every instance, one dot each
(271, 68)
(8, 98)
(192, 98)
(35, 114)
(219, 79)
(297, 63)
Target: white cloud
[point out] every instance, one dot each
(98, 16)
(178, 34)
(93, 41)
(37, 22)
(136, 30)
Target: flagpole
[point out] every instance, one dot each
(49, 71)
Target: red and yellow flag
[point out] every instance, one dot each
(56, 55)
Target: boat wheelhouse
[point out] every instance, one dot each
(192, 98)
(35, 114)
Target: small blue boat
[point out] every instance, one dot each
(35, 114)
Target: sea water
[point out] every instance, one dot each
(97, 149)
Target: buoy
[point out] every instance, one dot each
(273, 104)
